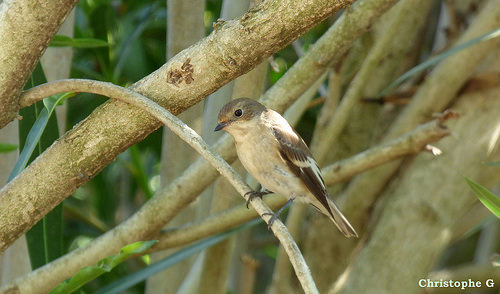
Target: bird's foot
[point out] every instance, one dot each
(252, 194)
(272, 219)
(277, 214)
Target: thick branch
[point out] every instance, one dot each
(197, 143)
(233, 49)
(410, 143)
(328, 50)
(434, 95)
(26, 28)
(421, 209)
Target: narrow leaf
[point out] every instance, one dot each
(51, 102)
(31, 142)
(138, 170)
(87, 274)
(121, 285)
(65, 41)
(6, 147)
(37, 131)
(494, 164)
(433, 60)
(490, 200)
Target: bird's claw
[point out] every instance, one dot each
(274, 216)
(277, 214)
(252, 194)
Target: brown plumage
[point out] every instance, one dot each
(276, 156)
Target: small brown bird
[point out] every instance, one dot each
(276, 156)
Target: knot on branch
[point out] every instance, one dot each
(184, 74)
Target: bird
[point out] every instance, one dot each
(278, 158)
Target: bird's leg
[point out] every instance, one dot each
(276, 215)
(252, 194)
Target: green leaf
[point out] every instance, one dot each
(145, 17)
(65, 41)
(37, 131)
(51, 102)
(138, 170)
(87, 274)
(433, 60)
(494, 164)
(6, 147)
(31, 142)
(121, 285)
(271, 251)
(490, 200)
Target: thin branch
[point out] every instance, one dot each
(171, 199)
(328, 50)
(184, 80)
(410, 143)
(214, 224)
(370, 64)
(420, 209)
(196, 142)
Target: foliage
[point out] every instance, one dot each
(105, 265)
(121, 42)
(6, 147)
(490, 200)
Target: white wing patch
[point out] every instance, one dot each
(309, 162)
(317, 172)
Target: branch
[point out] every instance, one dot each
(172, 199)
(95, 142)
(26, 28)
(410, 143)
(185, 80)
(328, 50)
(424, 204)
(434, 95)
(197, 143)
(182, 16)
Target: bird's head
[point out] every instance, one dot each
(238, 115)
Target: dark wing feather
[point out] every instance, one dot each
(295, 153)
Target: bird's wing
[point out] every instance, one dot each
(293, 150)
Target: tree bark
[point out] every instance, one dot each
(415, 224)
(184, 27)
(232, 49)
(26, 28)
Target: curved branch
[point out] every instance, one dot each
(183, 81)
(196, 142)
(410, 143)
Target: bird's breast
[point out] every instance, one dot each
(261, 159)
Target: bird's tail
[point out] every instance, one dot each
(340, 220)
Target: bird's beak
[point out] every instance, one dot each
(220, 126)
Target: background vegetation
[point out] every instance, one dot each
(416, 216)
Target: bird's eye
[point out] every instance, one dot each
(238, 112)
